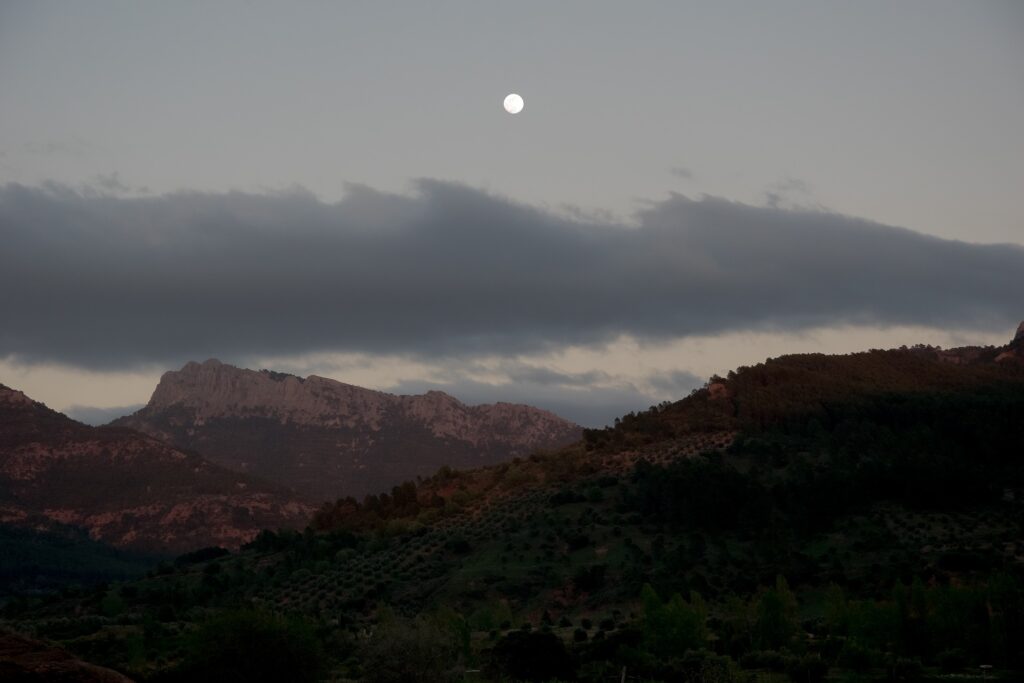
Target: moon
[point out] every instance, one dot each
(513, 103)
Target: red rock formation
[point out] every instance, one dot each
(125, 488)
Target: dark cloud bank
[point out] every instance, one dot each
(106, 282)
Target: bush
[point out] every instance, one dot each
(807, 669)
(952, 660)
(410, 651)
(763, 659)
(202, 555)
(531, 657)
(908, 670)
(706, 667)
(250, 646)
(856, 657)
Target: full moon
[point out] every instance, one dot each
(513, 103)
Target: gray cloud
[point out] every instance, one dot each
(590, 407)
(536, 374)
(111, 185)
(113, 282)
(681, 172)
(91, 415)
(676, 383)
(781, 194)
(49, 148)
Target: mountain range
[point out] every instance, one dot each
(220, 453)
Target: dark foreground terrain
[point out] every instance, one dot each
(847, 518)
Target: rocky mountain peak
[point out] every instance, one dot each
(214, 390)
(13, 397)
(1014, 351)
(328, 438)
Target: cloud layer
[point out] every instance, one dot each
(104, 282)
(91, 415)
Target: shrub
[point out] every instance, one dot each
(763, 659)
(531, 657)
(807, 669)
(908, 670)
(252, 646)
(856, 657)
(410, 652)
(952, 660)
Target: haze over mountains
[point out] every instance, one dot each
(327, 439)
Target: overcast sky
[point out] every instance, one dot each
(334, 188)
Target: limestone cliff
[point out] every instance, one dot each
(328, 439)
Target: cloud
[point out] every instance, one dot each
(675, 383)
(588, 406)
(91, 415)
(535, 374)
(780, 194)
(111, 185)
(50, 148)
(108, 282)
(681, 172)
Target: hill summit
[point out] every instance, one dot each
(125, 488)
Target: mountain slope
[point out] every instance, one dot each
(26, 660)
(328, 439)
(125, 488)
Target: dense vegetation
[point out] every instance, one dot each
(870, 529)
(34, 560)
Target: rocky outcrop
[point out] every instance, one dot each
(127, 489)
(329, 439)
(1014, 351)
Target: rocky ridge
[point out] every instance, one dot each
(326, 438)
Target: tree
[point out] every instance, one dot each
(670, 628)
(776, 615)
(402, 651)
(532, 656)
(251, 646)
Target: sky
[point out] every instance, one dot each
(335, 189)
